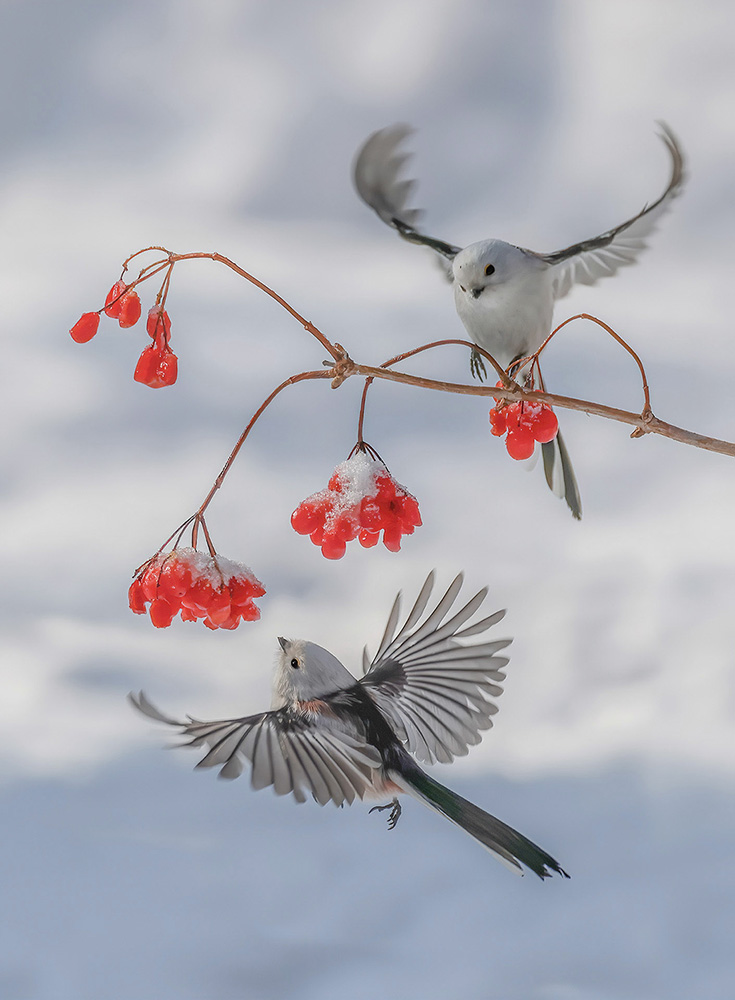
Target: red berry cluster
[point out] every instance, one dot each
(361, 500)
(157, 365)
(196, 585)
(525, 423)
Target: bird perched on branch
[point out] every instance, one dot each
(424, 696)
(505, 294)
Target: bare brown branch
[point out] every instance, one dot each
(343, 367)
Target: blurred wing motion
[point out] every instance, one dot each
(376, 174)
(433, 690)
(286, 749)
(586, 262)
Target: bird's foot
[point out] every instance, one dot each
(477, 366)
(395, 812)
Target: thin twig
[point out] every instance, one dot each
(647, 423)
(302, 377)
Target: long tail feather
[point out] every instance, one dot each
(509, 846)
(560, 474)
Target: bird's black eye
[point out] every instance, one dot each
(295, 663)
(490, 269)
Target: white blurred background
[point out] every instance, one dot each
(231, 126)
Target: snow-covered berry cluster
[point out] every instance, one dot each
(525, 423)
(196, 586)
(361, 500)
(157, 365)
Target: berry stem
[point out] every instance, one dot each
(644, 422)
(361, 420)
(506, 379)
(623, 343)
(302, 377)
(210, 543)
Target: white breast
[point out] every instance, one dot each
(511, 318)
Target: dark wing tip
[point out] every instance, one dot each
(143, 705)
(678, 165)
(377, 173)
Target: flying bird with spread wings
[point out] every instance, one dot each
(425, 696)
(505, 294)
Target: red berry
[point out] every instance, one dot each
(113, 302)
(199, 596)
(520, 443)
(306, 518)
(158, 325)
(162, 612)
(369, 538)
(333, 547)
(370, 516)
(497, 422)
(317, 535)
(392, 538)
(156, 367)
(145, 370)
(129, 312)
(149, 582)
(232, 621)
(250, 613)
(85, 328)
(175, 579)
(241, 591)
(219, 608)
(136, 598)
(335, 483)
(168, 368)
(386, 488)
(410, 512)
(345, 528)
(512, 415)
(546, 426)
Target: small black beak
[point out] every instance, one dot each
(282, 642)
(476, 292)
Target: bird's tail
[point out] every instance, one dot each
(560, 474)
(511, 847)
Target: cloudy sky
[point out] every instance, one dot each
(231, 127)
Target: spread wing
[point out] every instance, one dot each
(584, 263)
(286, 750)
(377, 176)
(435, 691)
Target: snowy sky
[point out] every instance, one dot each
(231, 126)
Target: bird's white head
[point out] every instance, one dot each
(305, 671)
(489, 263)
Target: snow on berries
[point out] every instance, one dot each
(524, 423)
(157, 366)
(195, 586)
(361, 500)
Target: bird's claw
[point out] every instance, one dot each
(395, 812)
(477, 366)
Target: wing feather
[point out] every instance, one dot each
(586, 262)
(376, 175)
(437, 693)
(288, 749)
